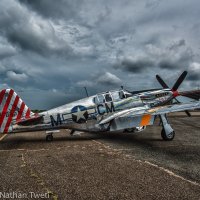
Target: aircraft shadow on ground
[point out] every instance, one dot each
(130, 140)
(126, 140)
(115, 137)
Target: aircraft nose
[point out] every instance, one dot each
(175, 93)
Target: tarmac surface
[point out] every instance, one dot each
(103, 166)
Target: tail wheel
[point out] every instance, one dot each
(49, 138)
(129, 130)
(167, 137)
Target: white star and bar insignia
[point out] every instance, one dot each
(79, 114)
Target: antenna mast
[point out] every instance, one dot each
(86, 92)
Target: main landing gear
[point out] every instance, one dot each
(167, 137)
(72, 132)
(167, 132)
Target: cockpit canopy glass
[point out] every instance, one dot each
(110, 96)
(100, 98)
(115, 96)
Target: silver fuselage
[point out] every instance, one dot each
(85, 114)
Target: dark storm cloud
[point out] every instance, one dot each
(152, 3)
(50, 9)
(134, 66)
(6, 49)
(165, 64)
(194, 72)
(31, 33)
(84, 12)
(36, 44)
(5, 53)
(177, 44)
(193, 76)
(182, 59)
(55, 48)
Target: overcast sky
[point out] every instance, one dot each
(50, 50)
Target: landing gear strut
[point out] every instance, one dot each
(167, 132)
(72, 132)
(167, 137)
(49, 136)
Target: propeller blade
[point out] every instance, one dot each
(177, 100)
(160, 80)
(188, 113)
(179, 81)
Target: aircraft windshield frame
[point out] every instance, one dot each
(110, 96)
(100, 98)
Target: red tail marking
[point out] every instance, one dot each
(11, 114)
(6, 106)
(2, 95)
(28, 113)
(20, 111)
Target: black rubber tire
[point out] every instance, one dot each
(129, 130)
(49, 138)
(166, 137)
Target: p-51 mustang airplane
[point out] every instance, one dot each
(104, 112)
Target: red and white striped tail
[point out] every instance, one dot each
(12, 110)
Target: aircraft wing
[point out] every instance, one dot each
(150, 113)
(127, 112)
(174, 108)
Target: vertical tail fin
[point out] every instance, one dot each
(12, 109)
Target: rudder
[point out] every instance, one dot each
(13, 109)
